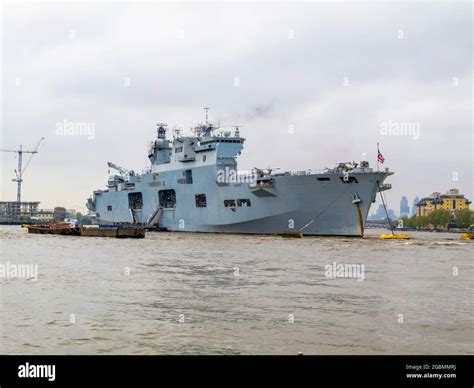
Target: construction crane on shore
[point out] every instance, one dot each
(20, 169)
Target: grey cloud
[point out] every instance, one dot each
(290, 59)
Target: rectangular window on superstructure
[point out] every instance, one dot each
(109, 208)
(243, 202)
(178, 149)
(188, 177)
(324, 178)
(200, 200)
(229, 203)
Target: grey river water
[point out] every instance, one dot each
(187, 293)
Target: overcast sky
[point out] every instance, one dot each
(337, 74)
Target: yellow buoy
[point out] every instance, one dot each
(467, 236)
(293, 234)
(395, 236)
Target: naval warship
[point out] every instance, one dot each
(193, 185)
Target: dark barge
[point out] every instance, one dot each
(68, 230)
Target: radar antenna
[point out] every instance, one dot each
(237, 131)
(161, 130)
(177, 131)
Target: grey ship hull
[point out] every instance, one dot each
(316, 204)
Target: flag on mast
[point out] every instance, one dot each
(380, 157)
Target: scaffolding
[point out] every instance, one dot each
(14, 211)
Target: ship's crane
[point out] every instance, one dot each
(121, 170)
(20, 169)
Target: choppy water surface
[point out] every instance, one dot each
(231, 294)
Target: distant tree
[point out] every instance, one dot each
(411, 222)
(439, 218)
(445, 218)
(79, 217)
(404, 222)
(432, 218)
(422, 222)
(416, 221)
(464, 218)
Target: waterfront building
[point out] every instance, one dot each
(59, 214)
(404, 208)
(43, 215)
(14, 211)
(414, 207)
(380, 214)
(452, 201)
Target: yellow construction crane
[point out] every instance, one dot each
(21, 170)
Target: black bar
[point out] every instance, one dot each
(312, 371)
